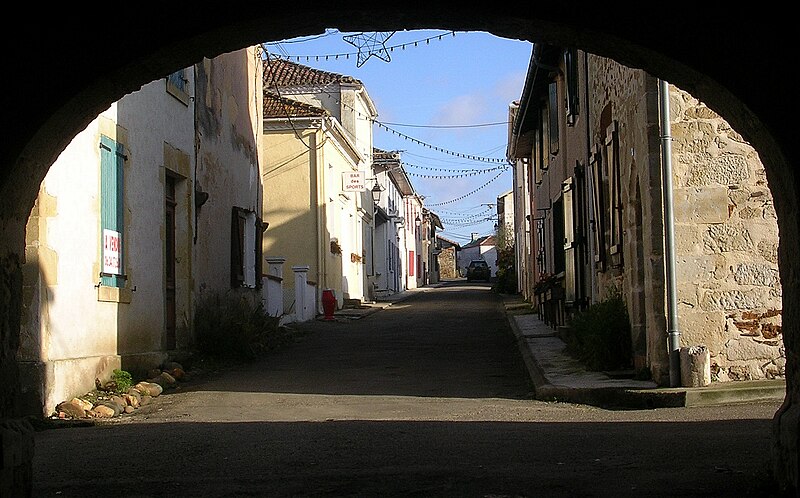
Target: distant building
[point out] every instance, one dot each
(484, 248)
(505, 219)
(317, 136)
(447, 258)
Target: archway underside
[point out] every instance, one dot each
(65, 73)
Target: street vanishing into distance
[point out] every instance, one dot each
(428, 397)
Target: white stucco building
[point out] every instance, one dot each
(133, 223)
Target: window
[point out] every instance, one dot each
(411, 261)
(112, 162)
(178, 86)
(246, 239)
(571, 84)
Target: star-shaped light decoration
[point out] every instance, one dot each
(369, 44)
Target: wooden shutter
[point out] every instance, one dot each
(260, 229)
(615, 189)
(552, 109)
(237, 247)
(571, 87)
(570, 279)
(112, 162)
(598, 209)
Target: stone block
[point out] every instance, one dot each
(727, 238)
(755, 274)
(707, 205)
(703, 328)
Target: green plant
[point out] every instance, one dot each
(506, 271)
(121, 380)
(229, 326)
(601, 335)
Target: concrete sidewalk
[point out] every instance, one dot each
(559, 377)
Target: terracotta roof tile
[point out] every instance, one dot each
(276, 106)
(283, 73)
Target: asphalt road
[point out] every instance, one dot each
(426, 398)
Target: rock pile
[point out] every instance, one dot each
(106, 401)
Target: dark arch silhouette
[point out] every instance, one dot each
(66, 67)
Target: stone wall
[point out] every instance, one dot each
(447, 263)
(726, 232)
(628, 97)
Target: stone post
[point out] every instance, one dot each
(273, 288)
(300, 283)
(695, 366)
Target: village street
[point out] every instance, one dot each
(428, 397)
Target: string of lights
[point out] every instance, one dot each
(503, 164)
(408, 138)
(468, 193)
(471, 171)
(347, 55)
(479, 125)
(440, 149)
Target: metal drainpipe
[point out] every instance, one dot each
(589, 186)
(673, 333)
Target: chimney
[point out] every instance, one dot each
(474, 236)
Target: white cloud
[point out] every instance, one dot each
(464, 109)
(509, 88)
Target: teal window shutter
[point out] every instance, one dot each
(112, 161)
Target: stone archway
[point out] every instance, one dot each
(66, 69)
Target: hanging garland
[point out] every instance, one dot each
(467, 194)
(383, 52)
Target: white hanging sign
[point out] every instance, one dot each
(353, 181)
(112, 249)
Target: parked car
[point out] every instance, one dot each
(478, 269)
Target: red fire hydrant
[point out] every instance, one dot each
(328, 303)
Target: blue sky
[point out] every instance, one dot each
(450, 93)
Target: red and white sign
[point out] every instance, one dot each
(112, 251)
(353, 181)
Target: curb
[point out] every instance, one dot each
(633, 398)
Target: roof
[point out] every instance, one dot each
(380, 155)
(437, 222)
(389, 161)
(480, 241)
(452, 243)
(276, 106)
(283, 73)
(543, 59)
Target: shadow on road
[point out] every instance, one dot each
(387, 458)
(453, 341)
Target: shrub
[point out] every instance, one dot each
(506, 271)
(121, 380)
(600, 336)
(233, 327)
